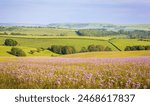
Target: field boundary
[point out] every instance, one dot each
(114, 45)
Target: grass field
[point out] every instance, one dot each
(122, 43)
(77, 42)
(114, 54)
(5, 49)
(34, 42)
(44, 31)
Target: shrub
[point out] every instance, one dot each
(107, 48)
(128, 48)
(56, 49)
(10, 42)
(147, 47)
(83, 49)
(32, 51)
(91, 48)
(17, 52)
(99, 48)
(13, 33)
(62, 49)
(68, 50)
(141, 48)
(132, 48)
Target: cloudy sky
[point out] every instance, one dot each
(73, 11)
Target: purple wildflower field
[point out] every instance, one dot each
(69, 73)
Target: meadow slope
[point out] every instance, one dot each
(56, 73)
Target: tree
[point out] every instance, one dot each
(10, 42)
(147, 47)
(56, 49)
(133, 48)
(128, 48)
(68, 50)
(107, 48)
(83, 49)
(141, 48)
(17, 52)
(62, 49)
(91, 48)
(99, 48)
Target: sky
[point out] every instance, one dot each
(75, 11)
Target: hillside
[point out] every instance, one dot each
(115, 54)
(108, 26)
(101, 26)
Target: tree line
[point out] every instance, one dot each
(134, 48)
(103, 32)
(71, 49)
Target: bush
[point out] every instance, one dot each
(32, 51)
(10, 42)
(56, 49)
(68, 50)
(147, 47)
(92, 48)
(107, 48)
(141, 48)
(99, 48)
(83, 49)
(62, 49)
(17, 52)
(13, 33)
(133, 48)
(128, 48)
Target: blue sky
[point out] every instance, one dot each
(75, 11)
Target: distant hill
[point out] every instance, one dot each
(87, 26)
(114, 27)
(20, 24)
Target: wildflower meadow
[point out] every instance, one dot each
(75, 73)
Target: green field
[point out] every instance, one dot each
(43, 31)
(28, 43)
(44, 37)
(77, 42)
(114, 54)
(122, 43)
(4, 51)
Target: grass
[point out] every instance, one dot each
(122, 43)
(5, 49)
(60, 37)
(43, 31)
(77, 42)
(114, 54)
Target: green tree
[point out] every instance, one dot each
(17, 52)
(91, 48)
(10, 42)
(83, 49)
(107, 48)
(128, 48)
(68, 50)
